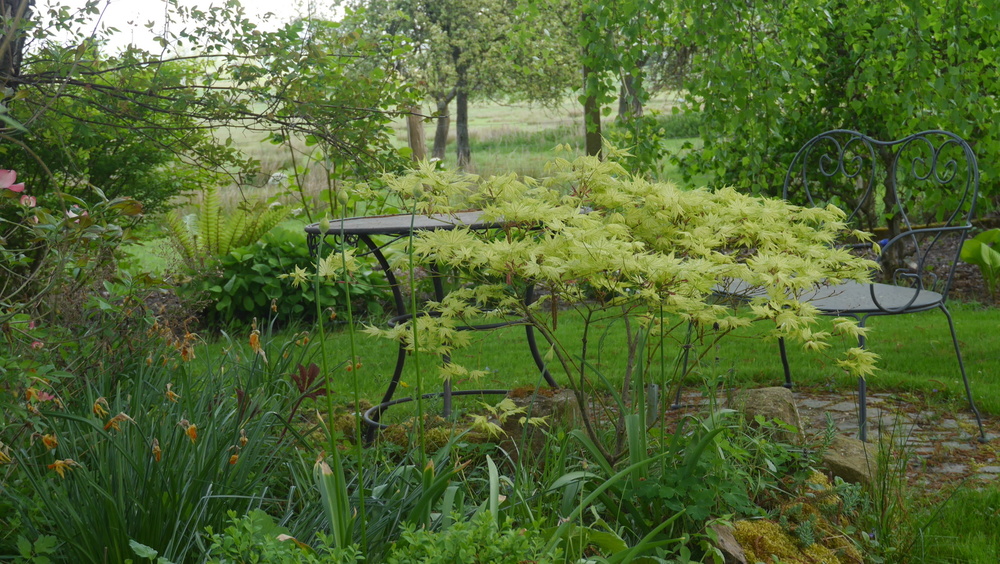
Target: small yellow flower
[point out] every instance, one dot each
(157, 453)
(50, 441)
(243, 438)
(101, 407)
(192, 432)
(171, 395)
(61, 466)
(299, 276)
(4, 457)
(31, 394)
(234, 458)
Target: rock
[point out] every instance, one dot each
(559, 408)
(726, 542)
(772, 404)
(851, 459)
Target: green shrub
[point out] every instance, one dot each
(679, 125)
(251, 281)
(479, 540)
(256, 538)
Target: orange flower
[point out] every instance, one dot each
(30, 394)
(187, 353)
(157, 453)
(50, 441)
(234, 458)
(189, 429)
(114, 421)
(101, 407)
(255, 341)
(61, 466)
(171, 395)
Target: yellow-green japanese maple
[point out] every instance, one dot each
(607, 244)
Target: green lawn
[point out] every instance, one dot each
(916, 356)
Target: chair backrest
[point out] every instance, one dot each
(916, 194)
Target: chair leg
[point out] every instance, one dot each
(965, 378)
(784, 362)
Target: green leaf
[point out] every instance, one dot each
(24, 547)
(45, 544)
(142, 550)
(228, 287)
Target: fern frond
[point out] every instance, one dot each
(233, 233)
(183, 237)
(209, 218)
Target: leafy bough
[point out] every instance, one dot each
(611, 246)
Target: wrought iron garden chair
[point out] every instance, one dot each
(918, 195)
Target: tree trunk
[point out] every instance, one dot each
(591, 118)
(591, 107)
(463, 152)
(629, 105)
(415, 134)
(443, 125)
(14, 14)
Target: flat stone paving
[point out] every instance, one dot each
(941, 441)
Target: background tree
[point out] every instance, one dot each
(149, 125)
(462, 50)
(768, 77)
(616, 41)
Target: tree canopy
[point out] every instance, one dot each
(769, 76)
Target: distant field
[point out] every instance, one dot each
(505, 138)
(520, 137)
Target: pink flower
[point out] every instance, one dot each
(7, 178)
(37, 345)
(28, 201)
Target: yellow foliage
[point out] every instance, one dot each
(636, 245)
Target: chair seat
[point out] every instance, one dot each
(853, 297)
(847, 298)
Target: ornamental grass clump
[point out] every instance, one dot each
(612, 248)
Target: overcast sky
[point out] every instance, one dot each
(131, 16)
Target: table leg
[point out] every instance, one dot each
(397, 296)
(445, 358)
(529, 298)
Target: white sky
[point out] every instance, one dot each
(131, 16)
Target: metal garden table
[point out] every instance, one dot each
(389, 229)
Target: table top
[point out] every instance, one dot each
(402, 224)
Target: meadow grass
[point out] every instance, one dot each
(964, 528)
